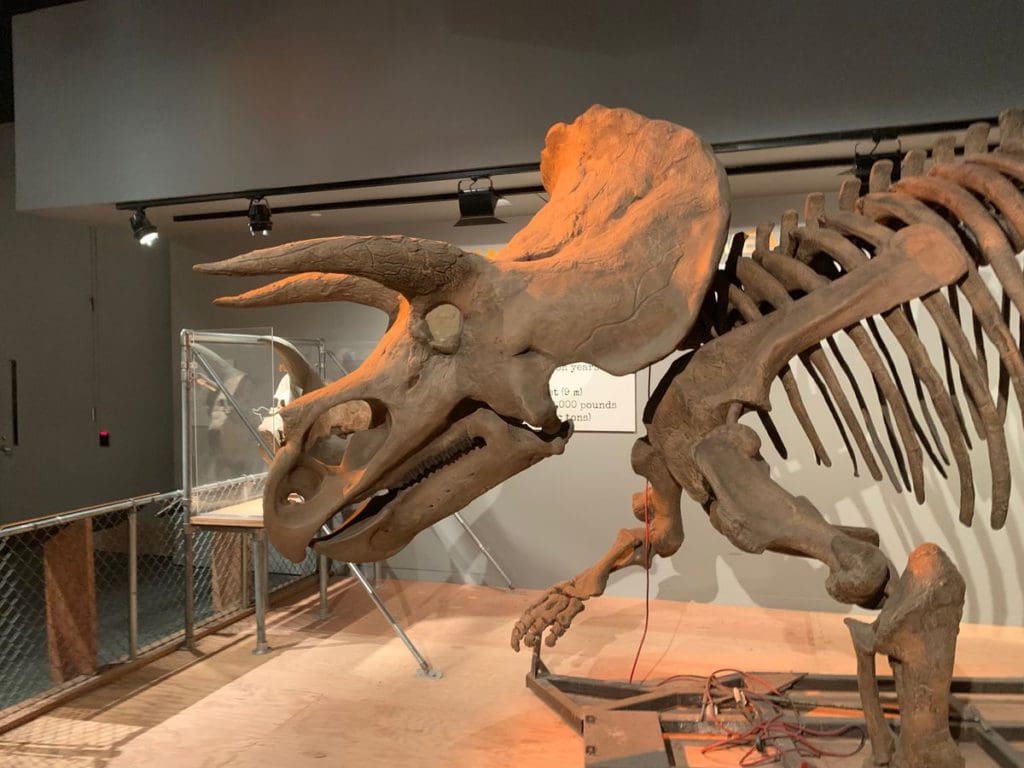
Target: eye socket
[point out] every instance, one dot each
(444, 323)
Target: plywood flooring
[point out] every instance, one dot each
(343, 692)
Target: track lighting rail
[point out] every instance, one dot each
(345, 204)
(330, 186)
(875, 134)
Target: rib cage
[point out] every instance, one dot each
(980, 198)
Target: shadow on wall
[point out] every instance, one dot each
(769, 580)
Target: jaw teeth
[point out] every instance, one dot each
(431, 464)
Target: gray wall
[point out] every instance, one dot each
(73, 359)
(130, 99)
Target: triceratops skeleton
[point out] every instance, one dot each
(621, 268)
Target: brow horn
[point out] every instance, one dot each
(409, 265)
(317, 286)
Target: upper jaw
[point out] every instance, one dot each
(480, 446)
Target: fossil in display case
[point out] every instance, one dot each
(621, 268)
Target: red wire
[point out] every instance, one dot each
(647, 581)
(767, 731)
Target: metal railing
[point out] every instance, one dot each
(84, 591)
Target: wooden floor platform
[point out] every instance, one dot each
(344, 692)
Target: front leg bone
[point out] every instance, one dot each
(756, 514)
(658, 505)
(557, 607)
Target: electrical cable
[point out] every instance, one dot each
(647, 580)
(647, 558)
(763, 732)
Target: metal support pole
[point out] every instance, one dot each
(259, 571)
(190, 588)
(188, 533)
(133, 582)
(337, 363)
(321, 359)
(324, 566)
(378, 572)
(244, 572)
(425, 668)
(487, 553)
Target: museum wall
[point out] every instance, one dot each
(73, 357)
(285, 93)
(550, 522)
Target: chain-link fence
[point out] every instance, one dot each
(84, 590)
(24, 667)
(100, 586)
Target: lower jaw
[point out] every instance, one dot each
(359, 546)
(352, 543)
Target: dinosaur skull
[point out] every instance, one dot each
(455, 397)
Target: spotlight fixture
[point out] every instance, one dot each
(476, 205)
(142, 228)
(862, 166)
(259, 217)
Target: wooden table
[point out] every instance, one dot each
(245, 514)
(243, 517)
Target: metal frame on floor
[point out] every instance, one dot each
(627, 724)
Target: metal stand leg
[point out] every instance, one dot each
(133, 583)
(190, 588)
(484, 549)
(324, 566)
(259, 574)
(243, 576)
(425, 668)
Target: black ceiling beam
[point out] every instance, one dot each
(877, 134)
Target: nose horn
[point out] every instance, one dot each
(409, 265)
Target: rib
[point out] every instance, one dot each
(748, 309)
(954, 305)
(899, 481)
(766, 288)
(795, 275)
(942, 458)
(888, 205)
(773, 433)
(996, 188)
(1005, 164)
(850, 257)
(989, 236)
(982, 303)
(1003, 390)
